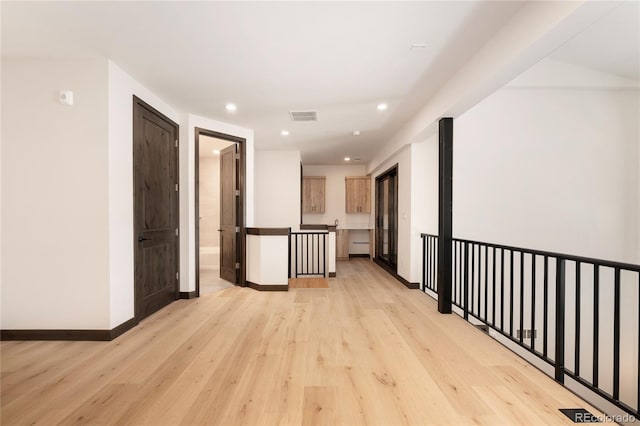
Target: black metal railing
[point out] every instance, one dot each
(309, 253)
(579, 315)
(429, 262)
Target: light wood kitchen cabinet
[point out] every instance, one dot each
(342, 244)
(313, 193)
(358, 194)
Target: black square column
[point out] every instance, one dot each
(445, 213)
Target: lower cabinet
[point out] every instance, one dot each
(342, 244)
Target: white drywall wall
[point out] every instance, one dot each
(405, 258)
(278, 189)
(267, 259)
(551, 169)
(55, 240)
(424, 198)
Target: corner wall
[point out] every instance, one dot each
(122, 88)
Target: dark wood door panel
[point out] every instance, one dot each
(159, 179)
(156, 216)
(229, 253)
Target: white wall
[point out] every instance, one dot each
(209, 198)
(55, 240)
(405, 233)
(188, 123)
(266, 259)
(335, 193)
(424, 198)
(551, 169)
(122, 87)
(278, 189)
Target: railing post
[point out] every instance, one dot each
(465, 280)
(289, 265)
(560, 302)
(424, 262)
(445, 214)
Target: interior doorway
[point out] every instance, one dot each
(387, 219)
(219, 185)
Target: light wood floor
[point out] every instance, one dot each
(308, 283)
(364, 351)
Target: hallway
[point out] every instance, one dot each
(364, 351)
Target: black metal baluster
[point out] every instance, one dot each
(545, 314)
(289, 255)
(521, 297)
(424, 263)
(479, 301)
(576, 362)
(502, 289)
(435, 264)
(616, 335)
(433, 276)
(486, 283)
(533, 302)
(455, 272)
(308, 251)
(560, 299)
(296, 240)
(511, 293)
(473, 268)
(493, 293)
(596, 323)
(466, 281)
(324, 253)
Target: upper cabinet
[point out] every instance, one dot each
(358, 194)
(313, 191)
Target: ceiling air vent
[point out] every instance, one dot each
(303, 115)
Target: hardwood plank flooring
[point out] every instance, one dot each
(308, 283)
(365, 351)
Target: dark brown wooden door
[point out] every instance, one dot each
(387, 218)
(229, 198)
(155, 161)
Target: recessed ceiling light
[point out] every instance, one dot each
(216, 152)
(382, 107)
(418, 46)
(231, 107)
(284, 133)
(347, 159)
(356, 133)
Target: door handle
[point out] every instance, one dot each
(141, 239)
(219, 230)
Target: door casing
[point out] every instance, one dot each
(392, 173)
(242, 146)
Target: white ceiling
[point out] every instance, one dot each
(611, 44)
(339, 58)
